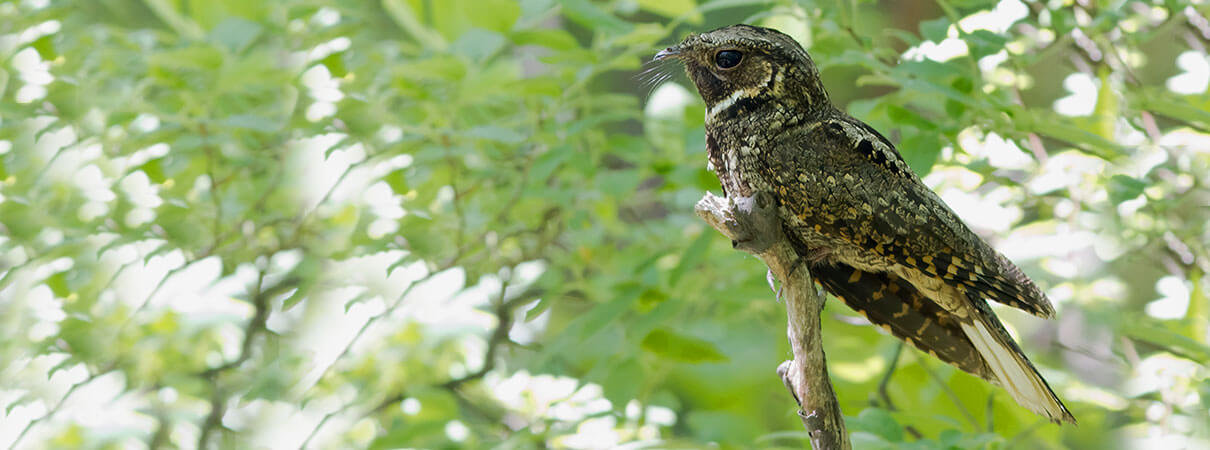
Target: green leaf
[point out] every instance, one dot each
(1154, 332)
(253, 122)
(623, 382)
(650, 298)
(542, 306)
(478, 44)
(668, 8)
(336, 64)
(954, 109)
(410, 436)
(551, 38)
(353, 301)
(22, 399)
(1051, 125)
(496, 133)
(799, 435)
(45, 46)
(402, 14)
(168, 11)
(904, 116)
(905, 36)
(973, 4)
(1197, 317)
(591, 16)
(935, 30)
(1163, 102)
(308, 272)
(927, 68)
(159, 250)
(920, 151)
(715, 5)
(235, 33)
(1105, 113)
(984, 42)
(606, 313)
(695, 254)
(58, 284)
(713, 425)
(879, 422)
(545, 164)
(64, 364)
(172, 62)
(867, 440)
(494, 15)
(21, 221)
(678, 347)
(437, 68)
(4, 77)
(1122, 188)
(154, 169)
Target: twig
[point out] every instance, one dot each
(753, 226)
(945, 387)
(58, 406)
(214, 418)
(203, 131)
(504, 324)
(886, 379)
(885, 396)
(257, 324)
(991, 404)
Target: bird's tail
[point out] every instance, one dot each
(1012, 369)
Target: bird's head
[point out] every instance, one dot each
(739, 62)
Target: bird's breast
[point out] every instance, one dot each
(734, 161)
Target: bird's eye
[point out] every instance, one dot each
(727, 59)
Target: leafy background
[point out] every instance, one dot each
(467, 223)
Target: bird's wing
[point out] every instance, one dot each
(899, 308)
(894, 214)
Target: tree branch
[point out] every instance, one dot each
(753, 226)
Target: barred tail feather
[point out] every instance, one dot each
(1014, 372)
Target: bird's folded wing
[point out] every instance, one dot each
(893, 213)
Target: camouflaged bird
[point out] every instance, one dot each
(868, 229)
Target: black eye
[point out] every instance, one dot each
(727, 59)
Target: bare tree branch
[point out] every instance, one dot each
(214, 418)
(753, 226)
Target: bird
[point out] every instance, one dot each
(862, 222)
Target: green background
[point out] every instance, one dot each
(201, 201)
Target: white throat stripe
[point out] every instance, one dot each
(736, 96)
(726, 103)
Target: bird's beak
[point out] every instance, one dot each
(670, 52)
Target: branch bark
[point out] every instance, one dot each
(753, 226)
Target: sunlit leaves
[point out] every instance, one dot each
(288, 142)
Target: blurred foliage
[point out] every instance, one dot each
(347, 223)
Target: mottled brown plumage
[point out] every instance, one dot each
(870, 231)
